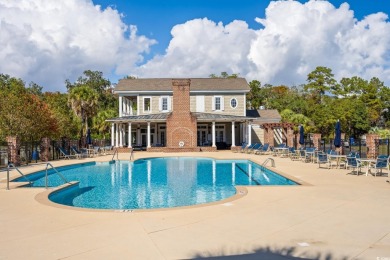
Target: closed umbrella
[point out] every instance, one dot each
(337, 137)
(89, 138)
(301, 135)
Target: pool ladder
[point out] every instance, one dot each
(11, 165)
(269, 160)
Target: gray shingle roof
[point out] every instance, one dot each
(264, 115)
(163, 116)
(197, 84)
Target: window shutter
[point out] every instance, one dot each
(160, 104)
(222, 103)
(213, 103)
(169, 103)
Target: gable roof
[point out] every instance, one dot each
(197, 84)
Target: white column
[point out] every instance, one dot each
(249, 134)
(117, 135)
(121, 135)
(120, 106)
(148, 137)
(233, 135)
(112, 134)
(213, 134)
(130, 137)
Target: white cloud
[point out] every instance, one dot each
(48, 41)
(201, 47)
(295, 39)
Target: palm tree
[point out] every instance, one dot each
(99, 122)
(84, 103)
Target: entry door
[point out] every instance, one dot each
(220, 133)
(202, 137)
(144, 139)
(162, 137)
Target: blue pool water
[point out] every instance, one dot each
(155, 182)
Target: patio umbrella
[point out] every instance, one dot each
(89, 138)
(301, 135)
(337, 137)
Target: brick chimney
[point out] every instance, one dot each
(181, 125)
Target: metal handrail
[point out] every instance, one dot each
(115, 152)
(55, 170)
(269, 160)
(132, 154)
(17, 169)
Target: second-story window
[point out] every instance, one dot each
(165, 105)
(147, 104)
(218, 103)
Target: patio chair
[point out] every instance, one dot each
(64, 154)
(380, 164)
(322, 158)
(293, 154)
(355, 164)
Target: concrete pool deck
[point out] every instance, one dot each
(337, 216)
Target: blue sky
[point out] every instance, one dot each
(275, 42)
(155, 18)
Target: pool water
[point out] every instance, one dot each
(155, 183)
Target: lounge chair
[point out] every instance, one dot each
(243, 145)
(253, 148)
(247, 148)
(264, 149)
(64, 154)
(79, 154)
(355, 164)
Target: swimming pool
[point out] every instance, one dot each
(154, 182)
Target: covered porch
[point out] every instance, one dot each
(150, 132)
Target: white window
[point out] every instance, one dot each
(218, 103)
(147, 104)
(233, 103)
(165, 104)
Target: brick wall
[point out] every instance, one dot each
(290, 136)
(45, 149)
(13, 150)
(372, 149)
(181, 125)
(317, 141)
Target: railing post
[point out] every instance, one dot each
(8, 177)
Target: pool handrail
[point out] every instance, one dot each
(56, 171)
(115, 152)
(267, 160)
(17, 169)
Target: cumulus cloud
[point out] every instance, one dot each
(294, 39)
(48, 41)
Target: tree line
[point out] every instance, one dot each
(360, 105)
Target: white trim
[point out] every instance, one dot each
(120, 106)
(221, 103)
(230, 103)
(136, 92)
